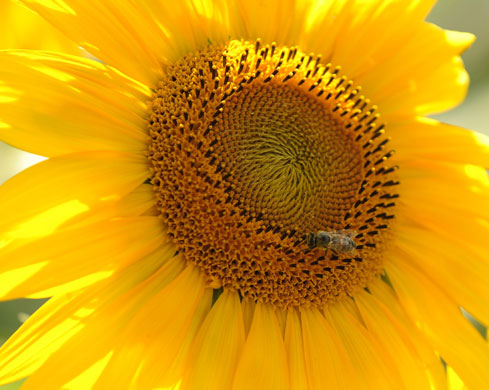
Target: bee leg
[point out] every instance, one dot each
(300, 241)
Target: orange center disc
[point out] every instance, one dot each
(254, 149)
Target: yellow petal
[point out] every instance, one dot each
(430, 140)
(395, 339)
(217, 347)
(295, 351)
(87, 379)
(186, 26)
(432, 362)
(137, 202)
(154, 346)
(55, 104)
(21, 28)
(437, 189)
(327, 362)
(172, 378)
(141, 201)
(108, 323)
(139, 43)
(403, 64)
(263, 363)
(456, 221)
(426, 74)
(458, 272)
(272, 21)
(361, 36)
(42, 334)
(101, 312)
(36, 202)
(442, 322)
(435, 91)
(71, 254)
(248, 307)
(369, 358)
(454, 381)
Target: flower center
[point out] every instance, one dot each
(271, 173)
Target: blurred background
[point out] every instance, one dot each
(471, 16)
(461, 15)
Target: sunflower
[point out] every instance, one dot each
(244, 194)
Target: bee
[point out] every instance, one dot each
(336, 240)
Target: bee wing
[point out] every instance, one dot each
(347, 232)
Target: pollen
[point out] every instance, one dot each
(255, 147)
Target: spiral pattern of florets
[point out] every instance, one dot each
(253, 148)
